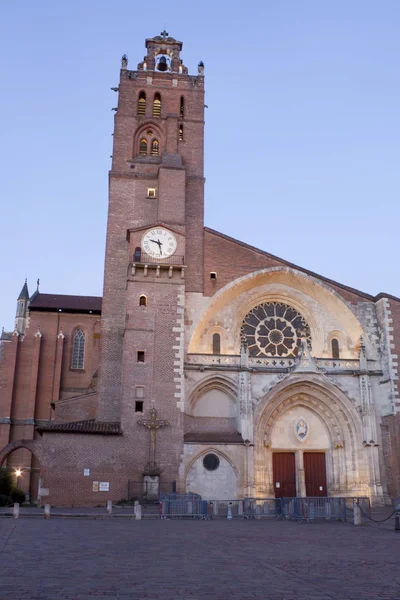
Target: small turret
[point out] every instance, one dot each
(22, 309)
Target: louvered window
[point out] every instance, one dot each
(143, 147)
(78, 350)
(141, 107)
(154, 148)
(157, 106)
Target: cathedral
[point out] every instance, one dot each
(208, 366)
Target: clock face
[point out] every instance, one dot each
(159, 243)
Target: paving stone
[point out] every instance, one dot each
(197, 560)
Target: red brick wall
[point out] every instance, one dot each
(177, 174)
(230, 259)
(391, 451)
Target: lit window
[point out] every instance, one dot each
(157, 105)
(141, 107)
(180, 137)
(216, 343)
(151, 193)
(140, 356)
(154, 148)
(142, 300)
(143, 147)
(335, 348)
(78, 349)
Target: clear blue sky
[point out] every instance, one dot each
(302, 132)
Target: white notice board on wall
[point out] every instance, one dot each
(104, 486)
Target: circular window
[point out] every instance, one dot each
(211, 462)
(275, 329)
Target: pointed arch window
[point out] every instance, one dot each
(143, 147)
(155, 147)
(335, 348)
(180, 136)
(78, 349)
(157, 105)
(182, 107)
(216, 343)
(141, 107)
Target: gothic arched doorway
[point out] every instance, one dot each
(307, 415)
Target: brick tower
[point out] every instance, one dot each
(154, 248)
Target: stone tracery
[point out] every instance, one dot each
(275, 329)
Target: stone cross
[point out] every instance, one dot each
(153, 424)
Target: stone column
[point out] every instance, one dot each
(370, 434)
(37, 340)
(58, 366)
(301, 476)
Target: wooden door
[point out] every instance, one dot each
(284, 470)
(315, 473)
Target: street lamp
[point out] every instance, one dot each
(18, 474)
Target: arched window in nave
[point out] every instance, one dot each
(216, 343)
(335, 348)
(78, 349)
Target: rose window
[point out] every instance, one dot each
(275, 329)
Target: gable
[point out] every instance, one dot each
(232, 259)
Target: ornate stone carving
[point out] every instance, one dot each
(275, 329)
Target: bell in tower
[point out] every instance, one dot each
(162, 64)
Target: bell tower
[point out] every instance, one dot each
(154, 247)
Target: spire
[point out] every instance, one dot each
(24, 294)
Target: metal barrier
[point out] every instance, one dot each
(304, 509)
(223, 508)
(261, 507)
(180, 506)
(294, 509)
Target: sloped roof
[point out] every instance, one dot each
(214, 437)
(62, 302)
(24, 294)
(88, 426)
(6, 336)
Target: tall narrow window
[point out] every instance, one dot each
(143, 147)
(154, 148)
(137, 255)
(78, 349)
(335, 348)
(141, 107)
(182, 108)
(180, 136)
(157, 105)
(142, 300)
(216, 343)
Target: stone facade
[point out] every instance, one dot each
(245, 358)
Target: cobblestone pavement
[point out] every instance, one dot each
(71, 559)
